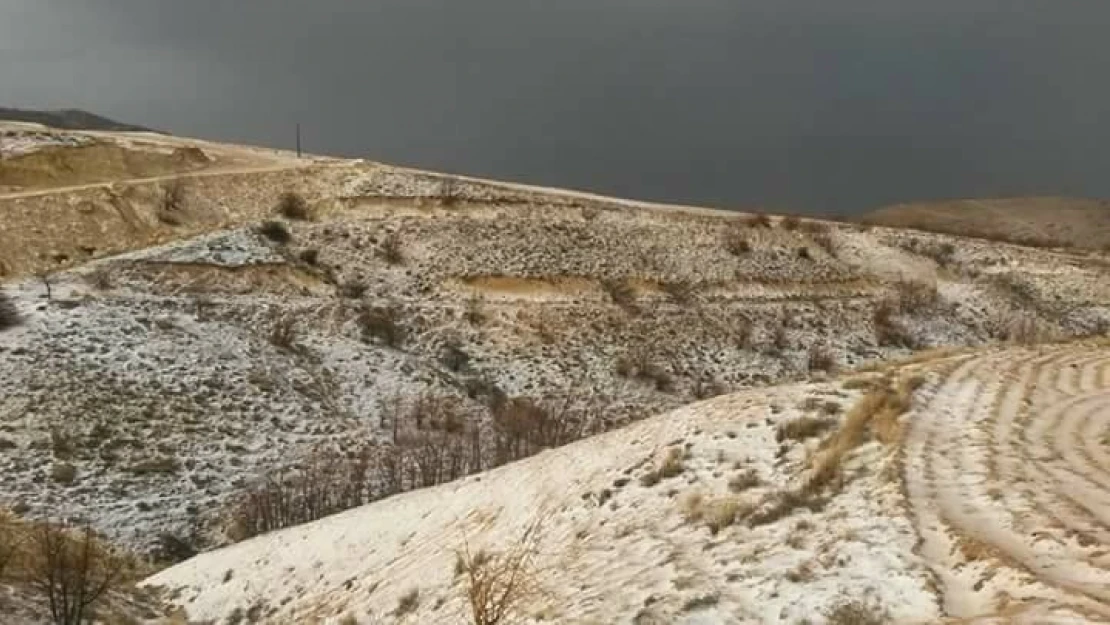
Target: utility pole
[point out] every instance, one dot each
(298, 139)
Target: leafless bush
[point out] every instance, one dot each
(99, 279)
(790, 223)
(390, 249)
(736, 241)
(352, 290)
(497, 587)
(825, 241)
(9, 314)
(309, 256)
(474, 314)
(171, 205)
(448, 193)
(407, 603)
(757, 220)
(916, 297)
(381, 323)
(292, 205)
(74, 570)
(522, 427)
(621, 292)
(9, 543)
(679, 291)
(821, 359)
(1019, 327)
(275, 231)
(283, 332)
(888, 330)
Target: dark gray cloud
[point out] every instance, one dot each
(804, 104)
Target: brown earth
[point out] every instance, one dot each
(1037, 221)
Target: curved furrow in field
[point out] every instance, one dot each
(1008, 480)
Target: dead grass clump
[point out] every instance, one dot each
(857, 612)
(821, 359)
(9, 314)
(292, 205)
(783, 504)
(381, 324)
(448, 193)
(390, 249)
(877, 412)
(790, 223)
(801, 428)
(275, 231)
(498, 587)
(352, 290)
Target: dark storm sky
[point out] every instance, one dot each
(804, 104)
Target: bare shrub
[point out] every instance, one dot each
(913, 296)
(74, 570)
(9, 314)
(743, 480)
(790, 223)
(888, 330)
(825, 241)
(757, 220)
(352, 290)
(821, 359)
(679, 291)
(736, 241)
(474, 314)
(621, 292)
(63, 473)
(522, 427)
(171, 204)
(1023, 328)
(9, 543)
(100, 279)
(283, 332)
(498, 586)
(309, 256)
(391, 250)
(408, 603)
(382, 324)
(448, 193)
(780, 338)
(292, 205)
(275, 231)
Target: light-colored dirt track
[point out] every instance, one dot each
(1008, 478)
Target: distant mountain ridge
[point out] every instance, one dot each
(69, 119)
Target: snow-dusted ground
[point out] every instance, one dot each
(614, 549)
(162, 358)
(19, 141)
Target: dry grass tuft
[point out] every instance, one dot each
(878, 412)
(820, 358)
(757, 220)
(801, 428)
(736, 241)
